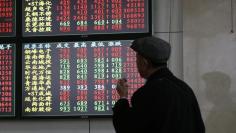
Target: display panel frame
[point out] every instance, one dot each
(15, 40)
(94, 34)
(14, 17)
(78, 115)
(19, 39)
(14, 96)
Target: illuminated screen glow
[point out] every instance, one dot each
(76, 78)
(7, 17)
(84, 17)
(7, 92)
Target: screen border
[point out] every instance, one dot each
(92, 35)
(14, 22)
(14, 81)
(69, 116)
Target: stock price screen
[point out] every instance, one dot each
(76, 78)
(84, 17)
(7, 17)
(7, 95)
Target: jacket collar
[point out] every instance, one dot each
(160, 73)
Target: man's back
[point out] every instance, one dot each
(164, 104)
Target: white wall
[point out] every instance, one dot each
(167, 16)
(210, 61)
(168, 25)
(57, 126)
(44, 126)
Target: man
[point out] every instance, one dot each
(165, 104)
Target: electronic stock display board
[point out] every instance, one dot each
(76, 78)
(7, 80)
(84, 17)
(7, 18)
(64, 77)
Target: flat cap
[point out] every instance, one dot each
(152, 48)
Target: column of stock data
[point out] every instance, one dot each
(38, 79)
(7, 17)
(79, 77)
(7, 92)
(79, 17)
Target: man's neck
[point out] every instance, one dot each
(153, 70)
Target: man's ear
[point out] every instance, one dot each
(145, 61)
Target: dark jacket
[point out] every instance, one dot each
(164, 104)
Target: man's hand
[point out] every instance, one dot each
(122, 88)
